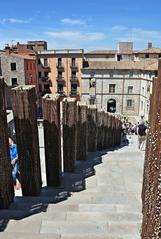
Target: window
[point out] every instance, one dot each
(27, 67)
(30, 66)
(60, 89)
(14, 82)
(91, 101)
(13, 66)
(45, 62)
(73, 62)
(39, 61)
(129, 104)
(112, 88)
(39, 74)
(146, 55)
(59, 61)
(40, 88)
(130, 89)
(142, 90)
(60, 74)
(46, 74)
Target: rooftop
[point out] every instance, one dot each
(148, 64)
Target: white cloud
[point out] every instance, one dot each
(14, 20)
(77, 36)
(70, 21)
(139, 35)
(119, 28)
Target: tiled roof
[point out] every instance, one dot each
(101, 52)
(150, 50)
(149, 64)
(23, 56)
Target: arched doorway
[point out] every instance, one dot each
(111, 106)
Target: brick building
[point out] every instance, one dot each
(60, 70)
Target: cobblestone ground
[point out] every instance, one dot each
(107, 206)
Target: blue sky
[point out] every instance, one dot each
(81, 24)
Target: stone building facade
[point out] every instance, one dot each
(17, 70)
(119, 87)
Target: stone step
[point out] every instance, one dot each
(16, 235)
(85, 228)
(104, 236)
(103, 217)
(118, 208)
(89, 228)
(96, 197)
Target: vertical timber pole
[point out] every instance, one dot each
(24, 110)
(82, 133)
(6, 183)
(100, 138)
(69, 133)
(92, 128)
(51, 115)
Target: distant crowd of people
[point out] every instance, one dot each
(139, 129)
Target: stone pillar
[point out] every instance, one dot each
(6, 183)
(100, 127)
(24, 110)
(82, 133)
(52, 140)
(92, 128)
(69, 133)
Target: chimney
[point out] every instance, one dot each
(8, 49)
(150, 45)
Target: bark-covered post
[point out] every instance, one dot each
(6, 182)
(82, 133)
(52, 140)
(100, 126)
(92, 128)
(106, 130)
(24, 110)
(69, 133)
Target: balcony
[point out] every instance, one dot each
(74, 79)
(74, 66)
(73, 93)
(46, 67)
(60, 66)
(60, 79)
(61, 92)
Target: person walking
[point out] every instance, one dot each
(141, 132)
(15, 164)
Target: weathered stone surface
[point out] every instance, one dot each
(6, 183)
(52, 140)
(24, 109)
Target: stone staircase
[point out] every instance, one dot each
(101, 200)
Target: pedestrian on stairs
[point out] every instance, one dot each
(141, 131)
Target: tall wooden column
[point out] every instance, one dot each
(51, 115)
(24, 109)
(6, 183)
(69, 133)
(100, 135)
(92, 128)
(82, 133)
